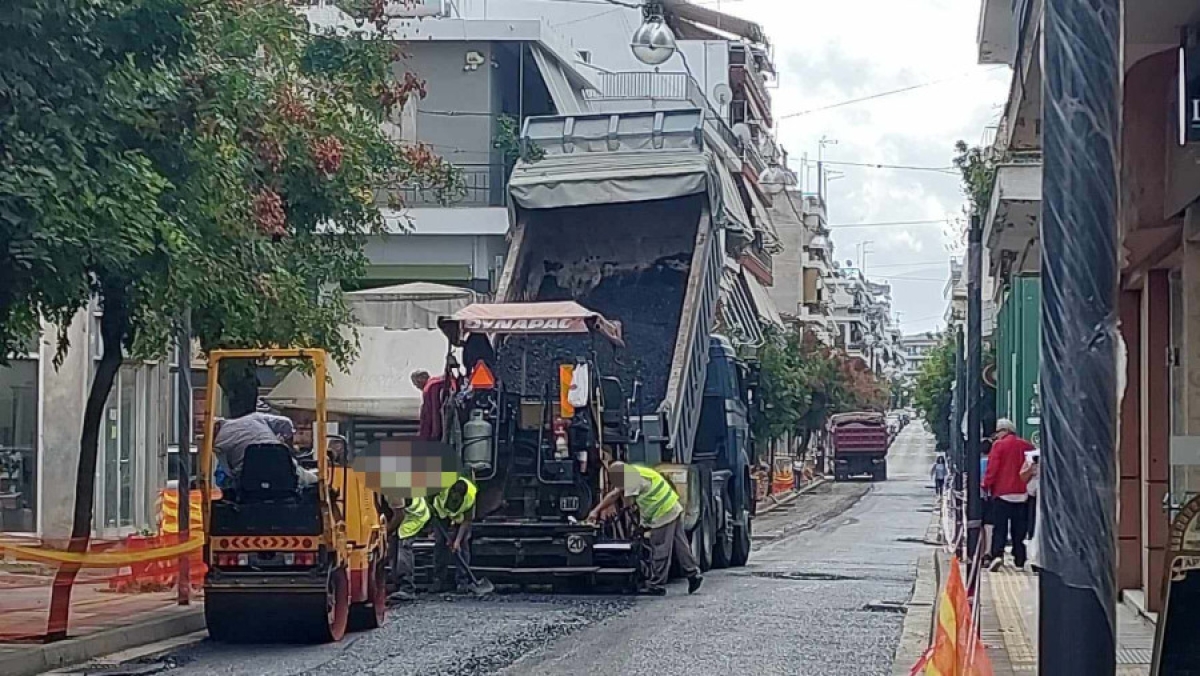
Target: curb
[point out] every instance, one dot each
(788, 498)
(917, 632)
(35, 659)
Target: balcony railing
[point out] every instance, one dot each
(642, 86)
(481, 186)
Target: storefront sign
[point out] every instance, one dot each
(1189, 92)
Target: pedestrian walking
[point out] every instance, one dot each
(1010, 511)
(938, 473)
(660, 512)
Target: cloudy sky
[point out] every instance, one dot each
(830, 52)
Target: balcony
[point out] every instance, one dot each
(644, 85)
(745, 75)
(481, 186)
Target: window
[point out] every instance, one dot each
(18, 446)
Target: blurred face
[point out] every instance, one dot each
(420, 380)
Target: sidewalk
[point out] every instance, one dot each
(1008, 624)
(101, 622)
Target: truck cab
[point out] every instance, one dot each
(722, 449)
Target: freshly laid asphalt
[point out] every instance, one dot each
(822, 595)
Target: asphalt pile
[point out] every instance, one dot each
(648, 303)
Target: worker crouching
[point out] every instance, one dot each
(453, 507)
(661, 514)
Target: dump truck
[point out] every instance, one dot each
(860, 445)
(624, 214)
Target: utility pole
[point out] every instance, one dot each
(957, 451)
(824, 141)
(1080, 276)
(183, 361)
(972, 395)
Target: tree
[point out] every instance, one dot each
(978, 174)
(802, 382)
(932, 391)
(217, 156)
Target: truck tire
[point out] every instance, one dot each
(741, 543)
(702, 537)
(722, 551)
(880, 472)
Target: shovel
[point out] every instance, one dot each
(478, 586)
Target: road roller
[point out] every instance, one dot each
(295, 542)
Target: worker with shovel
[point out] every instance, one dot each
(453, 507)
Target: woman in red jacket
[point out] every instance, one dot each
(1003, 481)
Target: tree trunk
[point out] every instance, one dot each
(805, 439)
(114, 325)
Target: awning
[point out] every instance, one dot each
(735, 216)
(408, 306)
(766, 310)
(581, 179)
(379, 383)
(725, 23)
(737, 310)
(557, 317)
(564, 95)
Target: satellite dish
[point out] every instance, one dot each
(742, 132)
(722, 94)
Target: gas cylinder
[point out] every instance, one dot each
(477, 441)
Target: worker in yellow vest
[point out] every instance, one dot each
(453, 507)
(661, 513)
(407, 523)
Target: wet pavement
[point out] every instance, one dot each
(820, 596)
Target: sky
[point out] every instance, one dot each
(830, 52)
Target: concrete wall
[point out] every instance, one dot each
(788, 290)
(476, 252)
(466, 137)
(64, 395)
(1155, 431)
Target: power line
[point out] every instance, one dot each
(885, 224)
(929, 264)
(892, 92)
(905, 167)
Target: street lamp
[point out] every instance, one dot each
(653, 42)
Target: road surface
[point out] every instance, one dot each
(819, 597)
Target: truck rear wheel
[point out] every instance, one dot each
(880, 473)
(722, 551)
(741, 543)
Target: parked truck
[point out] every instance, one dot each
(623, 215)
(860, 445)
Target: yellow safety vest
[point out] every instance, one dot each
(439, 503)
(416, 515)
(660, 498)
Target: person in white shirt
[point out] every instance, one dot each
(1031, 472)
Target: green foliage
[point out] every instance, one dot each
(978, 174)
(932, 391)
(172, 154)
(802, 382)
(508, 141)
